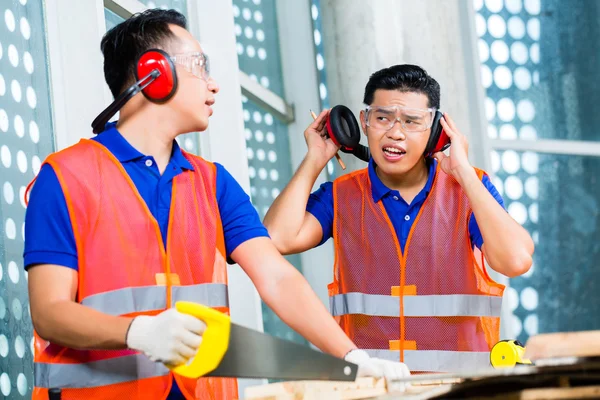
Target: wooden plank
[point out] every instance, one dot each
(584, 392)
(309, 389)
(581, 392)
(562, 345)
(362, 388)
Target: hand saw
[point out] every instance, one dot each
(231, 350)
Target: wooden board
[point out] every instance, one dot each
(362, 388)
(561, 345)
(585, 392)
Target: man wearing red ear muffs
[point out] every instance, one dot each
(410, 231)
(120, 227)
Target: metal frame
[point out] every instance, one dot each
(266, 99)
(551, 146)
(124, 8)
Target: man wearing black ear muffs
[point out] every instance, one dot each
(409, 280)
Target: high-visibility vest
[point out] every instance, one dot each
(124, 270)
(433, 307)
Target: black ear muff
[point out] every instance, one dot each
(344, 131)
(156, 78)
(438, 140)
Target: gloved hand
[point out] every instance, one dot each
(378, 368)
(170, 337)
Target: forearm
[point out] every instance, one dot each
(285, 217)
(75, 326)
(296, 304)
(508, 246)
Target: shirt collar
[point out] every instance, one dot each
(378, 188)
(112, 139)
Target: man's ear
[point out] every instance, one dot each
(363, 121)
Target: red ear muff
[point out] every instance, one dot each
(438, 140)
(156, 78)
(163, 87)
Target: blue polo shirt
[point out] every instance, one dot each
(402, 214)
(49, 235)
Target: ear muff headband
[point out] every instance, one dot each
(156, 79)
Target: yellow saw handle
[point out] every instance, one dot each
(215, 340)
(507, 354)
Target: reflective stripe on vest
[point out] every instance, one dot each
(454, 305)
(149, 298)
(97, 373)
(437, 360)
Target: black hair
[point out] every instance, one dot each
(125, 43)
(406, 78)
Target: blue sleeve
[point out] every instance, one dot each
(320, 205)
(474, 232)
(238, 216)
(49, 237)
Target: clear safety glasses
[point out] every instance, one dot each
(411, 119)
(195, 63)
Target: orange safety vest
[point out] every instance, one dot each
(433, 307)
(124, 270)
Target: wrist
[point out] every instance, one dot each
(349, 351)
(465, 175)
(136, 331)
(127, 332)
(314, 163)
(357, 356)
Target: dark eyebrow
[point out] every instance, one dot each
(414, 116)
(384, 111)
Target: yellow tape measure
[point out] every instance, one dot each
(507, 354)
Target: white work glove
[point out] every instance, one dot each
(378, 368)
(170, 337)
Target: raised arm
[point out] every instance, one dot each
(292, 229)
(507, 247)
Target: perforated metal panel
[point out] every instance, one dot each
(539, 70)
(333, 168)
(26, 138)
(266, 137)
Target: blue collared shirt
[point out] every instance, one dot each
(402, 214)
(49, 235)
